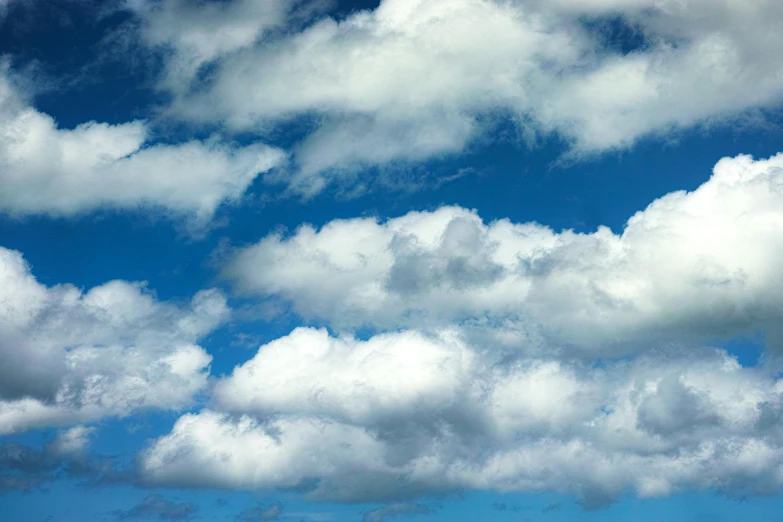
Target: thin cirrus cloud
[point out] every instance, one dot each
(47, 170)
(692, 265)
(413, 80)
(194, 34)
(72, 356)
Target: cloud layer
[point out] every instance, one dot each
(492, 372)
(72, 356)
(453, 354)
(691, 266)
(416, 79)
(403, 415)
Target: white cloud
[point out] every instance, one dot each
(73, 441)
(356, 381)
(415, 79)
(72, 356)
(402, 416)
(492, 372)
(691, 266)
(62, 172)
(196, 34)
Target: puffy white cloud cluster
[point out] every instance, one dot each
(691, 265)
(48, 170)
(71, 356)
(406, 414)
(415, 79)
(459, 394)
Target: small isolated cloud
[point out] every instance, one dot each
(156, 507)
(395, 510)
(73, 441)
(552, 507)
(261, 513)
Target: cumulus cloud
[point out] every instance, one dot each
(403, 415)
(415, 79)
(73, 356)
(489, 366)
(692, 265)
(45, 169)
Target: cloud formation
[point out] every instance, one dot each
(196, 34)
(261, 513)
(73, 356)
(691, 266)
(156, 507)
(48, 170)
(490, 366)
(23, 468)
(403, 415)
(417, 79)
(395, 510)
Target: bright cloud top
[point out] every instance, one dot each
(62, 172)
(690, 266)
(404, 415)
(415, 79)
(72, 356)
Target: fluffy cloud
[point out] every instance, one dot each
(72, 356)
(403, 415)
(690, 266)
(48, 170)
(414, 79)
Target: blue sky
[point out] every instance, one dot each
(409, 260)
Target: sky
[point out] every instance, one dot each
(426, 260)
